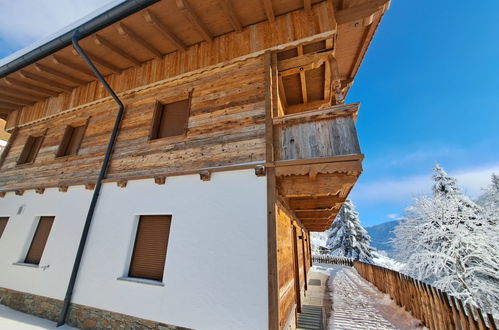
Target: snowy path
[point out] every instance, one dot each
(14, 320)
(357, 304)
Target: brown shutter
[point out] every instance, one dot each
(151, 242)
(76, 138)
(30, 149)
(39, 240)
(173, 119)
(3, 223)
(71, 140)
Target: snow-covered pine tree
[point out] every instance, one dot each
(444, 240)
(347, 238)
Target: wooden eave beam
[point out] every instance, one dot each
(361, 11)
(194, 19)
(45, 81)
(100, 41)
(9, 106)
(302, 63)
(269, 10)
(22, 95)
(163, 30)
(231, 14)
(69, 65)
(127, 32)
(58, 74)
(15, 100)
(101, 62)
(30, 88)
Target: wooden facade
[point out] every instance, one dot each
(265, 82)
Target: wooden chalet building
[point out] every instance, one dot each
(235, 143)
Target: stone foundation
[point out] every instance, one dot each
(80, 316)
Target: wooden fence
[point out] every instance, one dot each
(433, 307)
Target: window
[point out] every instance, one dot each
(30, 149)
(170, 119)
(151, 242)
(71, 140)
(39, 240)
(3, 223)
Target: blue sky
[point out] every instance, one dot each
(429, 88)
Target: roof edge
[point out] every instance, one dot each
(93, 25)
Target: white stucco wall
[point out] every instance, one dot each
(216, 267)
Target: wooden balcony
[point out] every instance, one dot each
(318, 160)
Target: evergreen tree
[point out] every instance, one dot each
(446, 241)
(347, 238)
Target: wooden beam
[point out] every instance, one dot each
(23, 95)
(58, 74)
(205, 175)
(15, 100)
(303, 79)
(160, 179)
(163, 30)
(30, 88)
(194, 19)
(9, 106)
(317, 202)
(70, 65)
(101, 62)
(361, 11)
(303, 62)
(100, 41)
(45, 81)
(122, 183)
(127, 32)
(269, 10)
(63, 188)
(40, 190)
(231, 14)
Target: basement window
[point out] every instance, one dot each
(149, 251)
(30, 150)
(170, 119)
(3, 223)
(39, 240)
(71, 140)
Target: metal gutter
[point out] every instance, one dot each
(76, 266)
(95, 24)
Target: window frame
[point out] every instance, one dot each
(128, 274)
(24, 150)
(2, 229)
(39, 219)
(65, 141)
(158, 107)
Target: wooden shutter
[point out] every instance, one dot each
(171, 119)
(151, 242)
(71, 140)
(30, 149)
(3, 223)
(39, 240)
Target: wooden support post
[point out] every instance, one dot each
(270, 105)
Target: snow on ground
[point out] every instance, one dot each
(357, 304)
(14, 320)
(381, 259)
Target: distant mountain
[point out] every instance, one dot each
(381, 235)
